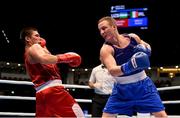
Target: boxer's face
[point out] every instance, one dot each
(106, 30)
(35, 37)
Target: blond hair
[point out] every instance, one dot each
(109, 19)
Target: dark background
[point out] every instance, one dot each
(72, 26)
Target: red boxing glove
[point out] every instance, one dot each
(42, 43)
(72, 58)
(75, 63)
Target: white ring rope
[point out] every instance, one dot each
(17, 114)
(30, 83)
(16, 82)
(172, 102)
(168, 88)
(78, 100)
(17, 97)
(86, 115)
(74, 86)
(26, 114)
(33, 98)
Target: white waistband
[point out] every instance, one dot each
(131, 78)
(48, 84)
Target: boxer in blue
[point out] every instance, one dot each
(126, 57)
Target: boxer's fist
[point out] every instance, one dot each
(73, 59)
(42, 43)
(138, 61)
(75, 63)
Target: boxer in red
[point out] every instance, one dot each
(52, 100)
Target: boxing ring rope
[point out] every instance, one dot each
(168, 88)
(66, 86)
(74, 86)
(17, 114)
(78, 100)
(30, 83)
(33, 98)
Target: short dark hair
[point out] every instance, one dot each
(26, 31)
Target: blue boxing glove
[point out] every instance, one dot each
(142, 48)
(138, 61)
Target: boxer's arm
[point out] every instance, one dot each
(38, 55)
(139, 40)
(106, 54)
(138, 61)
(136, 37)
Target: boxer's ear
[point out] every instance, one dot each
(26, 39)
